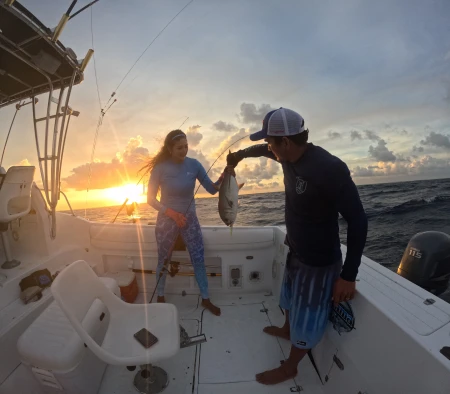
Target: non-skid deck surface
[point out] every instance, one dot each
(236, 349)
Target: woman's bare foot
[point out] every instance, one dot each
(160, 299)
(206, 303)
(280, 332)
(277, 375)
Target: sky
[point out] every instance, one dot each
(371, 79)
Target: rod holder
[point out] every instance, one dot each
(60, 27)
(86, 60)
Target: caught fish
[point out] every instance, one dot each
(228, 199)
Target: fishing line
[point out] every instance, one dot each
(145, 50)
(166, 260)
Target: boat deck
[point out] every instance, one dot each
(236, 350)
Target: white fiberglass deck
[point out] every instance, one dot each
(236, 350)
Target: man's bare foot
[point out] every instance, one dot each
(206, 303)
(280, 332)
(277, 375)
(160, 299)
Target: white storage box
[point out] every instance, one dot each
(57, 356)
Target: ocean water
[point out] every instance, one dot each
(396, 212)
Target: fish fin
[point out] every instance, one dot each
(240, 185)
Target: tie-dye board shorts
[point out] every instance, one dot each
(306, 292)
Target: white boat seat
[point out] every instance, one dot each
(52, 344)
(119, 346)
(15, 193)
(15, 202)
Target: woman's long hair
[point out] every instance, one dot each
(164, 153)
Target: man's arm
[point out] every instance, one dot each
(253, 151)
(350, 207)
(342, 190)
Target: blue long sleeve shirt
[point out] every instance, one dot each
(177, 183)
(318, 187)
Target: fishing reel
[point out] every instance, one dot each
(174, 268)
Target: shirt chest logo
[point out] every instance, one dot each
(300, 186)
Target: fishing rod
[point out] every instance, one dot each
(169, 254)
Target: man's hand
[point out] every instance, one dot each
(343, 291)
(233, 159)
(230, 170)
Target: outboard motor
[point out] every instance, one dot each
(426, 261)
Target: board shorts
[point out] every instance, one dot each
(306, 293)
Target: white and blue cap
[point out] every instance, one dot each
(280, 122)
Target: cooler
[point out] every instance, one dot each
(127, 283)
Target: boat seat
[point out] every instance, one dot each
(119, 346)
(15, 202)
(56, 354)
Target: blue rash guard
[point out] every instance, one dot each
(318, 187)
(177, 183)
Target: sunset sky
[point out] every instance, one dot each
(371, 79)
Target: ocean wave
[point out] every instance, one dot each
(409, 206)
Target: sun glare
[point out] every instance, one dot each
(131, 191)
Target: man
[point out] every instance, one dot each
(318, 186)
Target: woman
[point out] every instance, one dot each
(175, 174)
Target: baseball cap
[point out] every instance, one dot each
(280, 122)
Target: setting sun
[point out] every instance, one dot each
(134, 193)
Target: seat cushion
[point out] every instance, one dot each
(160, 319)
(51, 343)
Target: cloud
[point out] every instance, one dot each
(370, 135)
(251, 114)
(363, 171)
(403, 132)
(381, 152)
(229, 140)
(418, 149)
(425, 165)
(23, 162)
(223, 126)
(123, 168)
(400, 157)
(194, 137)
(197, 154)
(333, 135)
(355, 135)
(437, 139)
(254, 174)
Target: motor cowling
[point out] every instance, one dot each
(426, 261)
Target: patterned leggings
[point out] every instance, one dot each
(165, 232)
